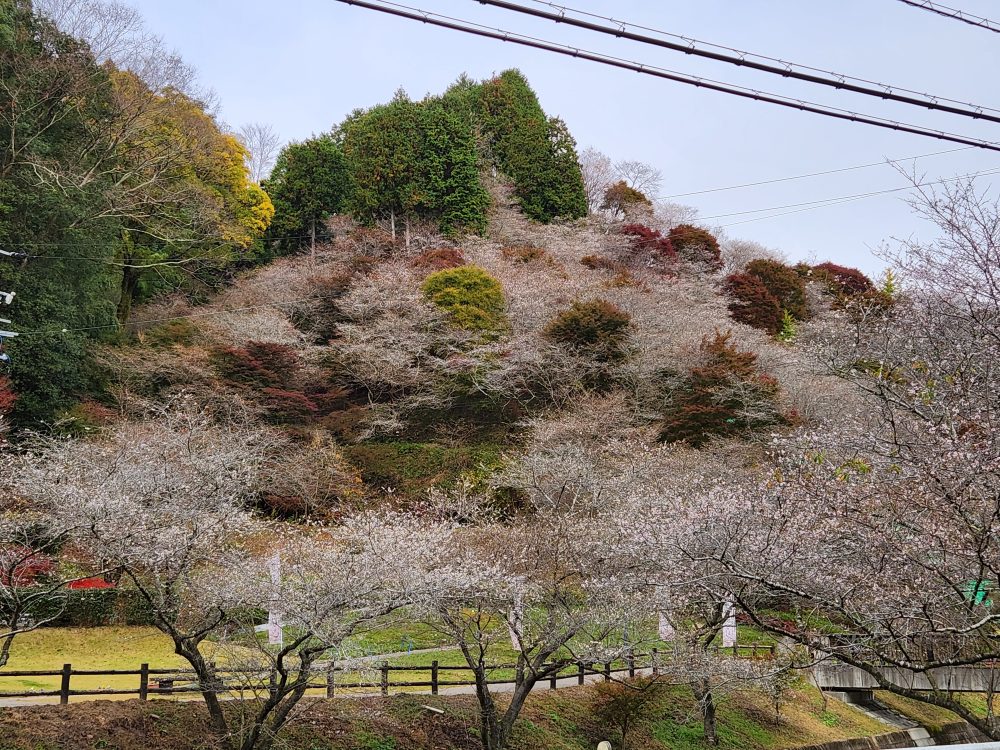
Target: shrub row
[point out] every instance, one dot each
(87, 608)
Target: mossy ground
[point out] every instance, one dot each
(558, 720)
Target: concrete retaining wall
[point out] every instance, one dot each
(877, 742)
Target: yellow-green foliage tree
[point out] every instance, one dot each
(182, 190)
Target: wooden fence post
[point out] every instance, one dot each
(67, 670)
(653, 662)
(143, 681)
(434, 677)
(582, 671)
(385, 678)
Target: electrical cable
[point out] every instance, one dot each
(739, 52)
(208, 314)
(785, 70)
(811, 205)
(436, 19)
(882, 163)
(955, 14)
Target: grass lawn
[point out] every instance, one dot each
(934, 717)
(87, 648)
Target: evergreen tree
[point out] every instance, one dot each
(539, 155)
(415, 160)
(310, 182)
(52, 99)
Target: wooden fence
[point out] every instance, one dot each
(165, 682)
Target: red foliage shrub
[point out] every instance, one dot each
(726, 396)
(784, 284)
(94, 582)
(650, 239)
(21, 566)
(696, 244)
(7, 395)
(438, 259)
(523, 254)
(288, 407)
(751, 303)
(259, 363)
(843, 280)
(600, 262)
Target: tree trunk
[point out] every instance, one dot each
(312, 241)
(504, 728)
(489, 727)
(703, 694)
(406, 231)
(129, 287)
(392, 224)
(210, 686)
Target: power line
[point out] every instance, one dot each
(854, 196)
(207, 314)
(811, 205)
(741, 53)
(955, 14)
(747, 60)
(437, 19)
(882, 163)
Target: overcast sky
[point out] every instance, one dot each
(302, 65)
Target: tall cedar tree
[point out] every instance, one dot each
(725, 396)
(413, 160)
(310, 182)
(536, 152)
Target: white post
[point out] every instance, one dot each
(666, 629)
(729, 625)
(274, 631)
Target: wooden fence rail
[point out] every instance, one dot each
(156, 682)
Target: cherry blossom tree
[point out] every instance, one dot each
(554, 584)
(163, 502)
(876, 532)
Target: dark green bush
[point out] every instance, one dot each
(596, 328)
(179, 332)
(473, 299)
(620, 197)
(87, 608)
(411, 468)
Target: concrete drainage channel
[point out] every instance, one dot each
(866, 703)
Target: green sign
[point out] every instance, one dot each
(976, 591)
